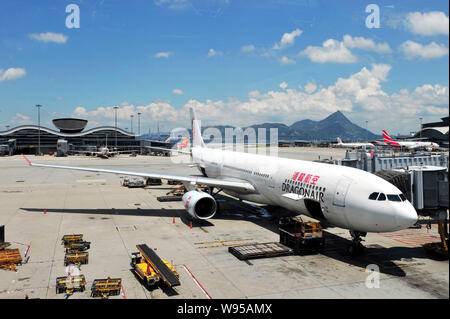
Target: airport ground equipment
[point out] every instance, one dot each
(174, 195)
(9, 258)
(152, 269)
(78, 246)
(70, 284)
(76, 258)
(296, 237)
(68, 239)
(153, 182)
(260, 250)
(439, 248)
(62, 148)
(133, 182)
(106, 287)
(301, 236)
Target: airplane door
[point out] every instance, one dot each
(341, 192)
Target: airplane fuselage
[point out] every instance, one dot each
(337, 194)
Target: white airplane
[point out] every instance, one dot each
(353, 145)
(411, 145)
(104, 152)
(343, 196)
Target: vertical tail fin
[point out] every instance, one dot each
(197, 140)
(339, 140)
(386, 137)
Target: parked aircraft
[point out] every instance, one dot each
(343, 196)
(410, 145)
(353, 145)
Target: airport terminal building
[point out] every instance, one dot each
(25, 139)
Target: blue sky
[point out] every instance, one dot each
(227, 58)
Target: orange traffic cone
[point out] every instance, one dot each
(173, 222)
(45, 211)
(190, 225)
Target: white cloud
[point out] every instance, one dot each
(21, 119)
(287, 39)
(413, 50)
(248, 48)
(213, 52)
(152, 112)
(177, 91)
(173, 4)
(12, 74)
(310, 87)
(359, 95)
(285, 60)
(163, 54)
(427, 23)
(330, 51)
(365, 44)
(49, 37)
(283, 85)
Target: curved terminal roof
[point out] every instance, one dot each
(61, 134)
(440, 130)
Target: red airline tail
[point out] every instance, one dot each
(388, 139)
(184, 143)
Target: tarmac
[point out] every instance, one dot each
(40, 205)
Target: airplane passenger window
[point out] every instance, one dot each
(394, 198)
(382, 197)
(402, 197)
(373, 196)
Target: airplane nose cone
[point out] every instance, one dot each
(406, 217)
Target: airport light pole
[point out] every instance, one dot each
(131, 119)
(139, 123)
(39, 128)
(115, 122)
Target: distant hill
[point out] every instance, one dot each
(328, 129)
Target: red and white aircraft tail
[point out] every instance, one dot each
(183, 143)
(388, 139)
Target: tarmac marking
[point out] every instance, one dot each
(222, 243)
(196, 281)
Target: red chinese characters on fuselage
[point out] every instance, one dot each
(305, 177)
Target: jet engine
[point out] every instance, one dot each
(200, 205)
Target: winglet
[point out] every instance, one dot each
(29, 163)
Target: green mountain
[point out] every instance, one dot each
(328, 129)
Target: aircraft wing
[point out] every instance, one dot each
(234, 184)
(168, 149)
(118, 152)
(90, 152)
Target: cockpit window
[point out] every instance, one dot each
(373, 196)
(382, 197)
(402, 197)
(393, 198)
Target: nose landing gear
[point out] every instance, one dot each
(356, 248)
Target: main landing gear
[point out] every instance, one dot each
(356, 248)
